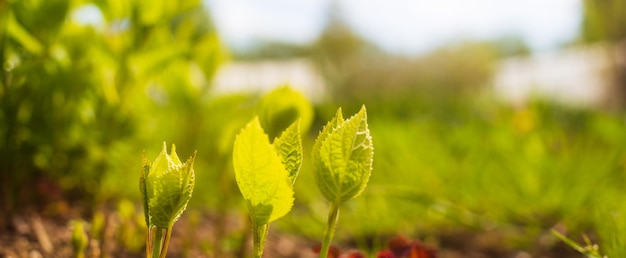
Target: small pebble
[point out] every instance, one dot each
(34, 254)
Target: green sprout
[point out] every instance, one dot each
(590, 250)
(342, 163)
(166, 186)
(265, 174)
(79, 238)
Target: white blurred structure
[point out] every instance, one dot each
(579, 76)
(263, 76)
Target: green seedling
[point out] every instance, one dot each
(79, 238)
(265, 174)
(166, 186)
(342, 163)
(590, 250)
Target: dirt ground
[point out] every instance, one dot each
(34, 234)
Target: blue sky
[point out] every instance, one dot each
(401, 26)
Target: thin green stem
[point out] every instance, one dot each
(259, 233)
(157, 242)
(149, 242)
(166, 243)
(333, 215)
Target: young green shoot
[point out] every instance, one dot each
(342, 163)
(265, 174)
(79, 238)
(590, 250)
(166, 186)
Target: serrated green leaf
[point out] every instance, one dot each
(328, 128)
(168, 187)
(320, 171)
(289, 146)
(261, 175)
(342, 157)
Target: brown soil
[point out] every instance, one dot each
(38, 234)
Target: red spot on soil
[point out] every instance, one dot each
(399, 246)
(385, 254)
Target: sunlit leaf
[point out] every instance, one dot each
(319, 168)
(261, 175)
(168, 187)
(289, 147)
(343, 155)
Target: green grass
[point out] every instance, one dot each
(488, 167)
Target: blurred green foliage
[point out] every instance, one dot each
(79, 101)
(486, 167)
(450, 155)
(604, 20)
(280, 108)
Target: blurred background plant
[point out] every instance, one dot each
(79, 101)
(86, 85)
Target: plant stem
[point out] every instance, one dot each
(259, 232)
(333, 215)
(166, 243)
(149, 242)
(157, 243)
